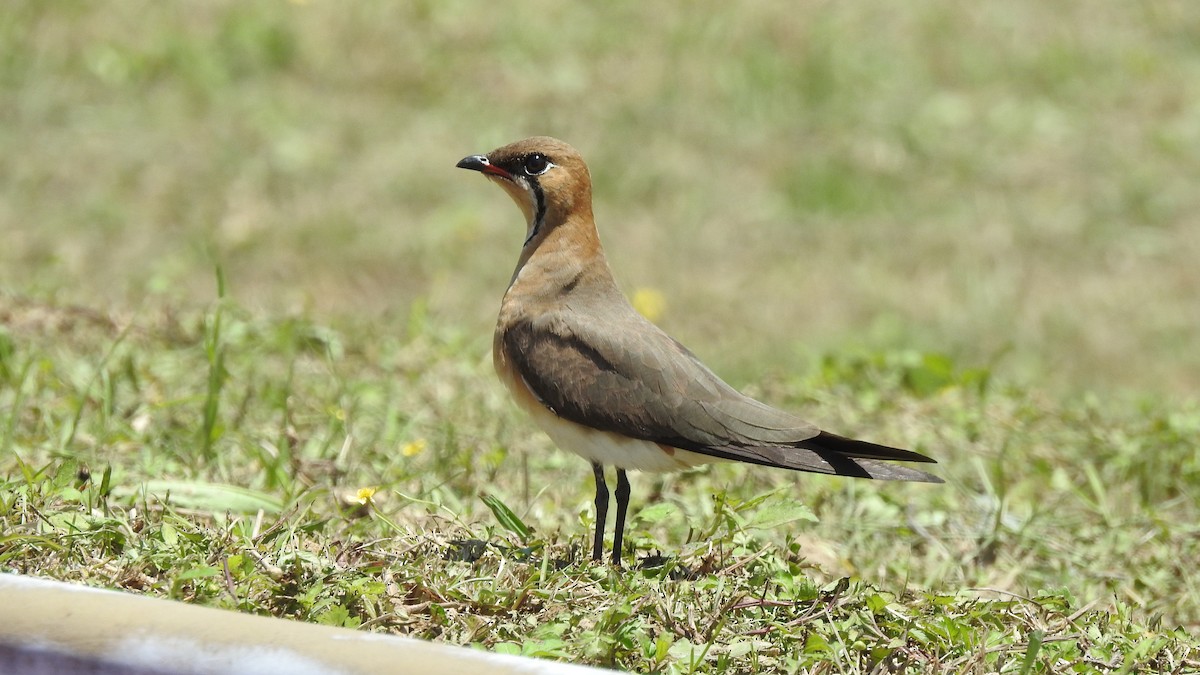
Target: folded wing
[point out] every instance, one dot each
(623, 374)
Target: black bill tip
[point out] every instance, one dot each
(474, 163)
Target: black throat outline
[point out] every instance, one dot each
(539, 199)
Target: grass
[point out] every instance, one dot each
(1011, 183)
(1062, 538)
(973, 230)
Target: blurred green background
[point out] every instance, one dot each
(1015, 184)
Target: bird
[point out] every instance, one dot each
(604, 382)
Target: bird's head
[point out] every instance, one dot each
(545, 177)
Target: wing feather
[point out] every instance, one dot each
(625, 375)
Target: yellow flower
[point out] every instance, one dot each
(365, 495)
(358, 503)
(413, 448)
(650, 302)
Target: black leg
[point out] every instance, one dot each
(622, 493)
(601, 512)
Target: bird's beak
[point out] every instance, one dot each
(481, 164)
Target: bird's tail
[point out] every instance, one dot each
(851, 457)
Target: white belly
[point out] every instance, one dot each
(610, 449)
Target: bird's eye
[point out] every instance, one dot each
(536, 164)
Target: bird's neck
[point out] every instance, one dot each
(559, 255)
